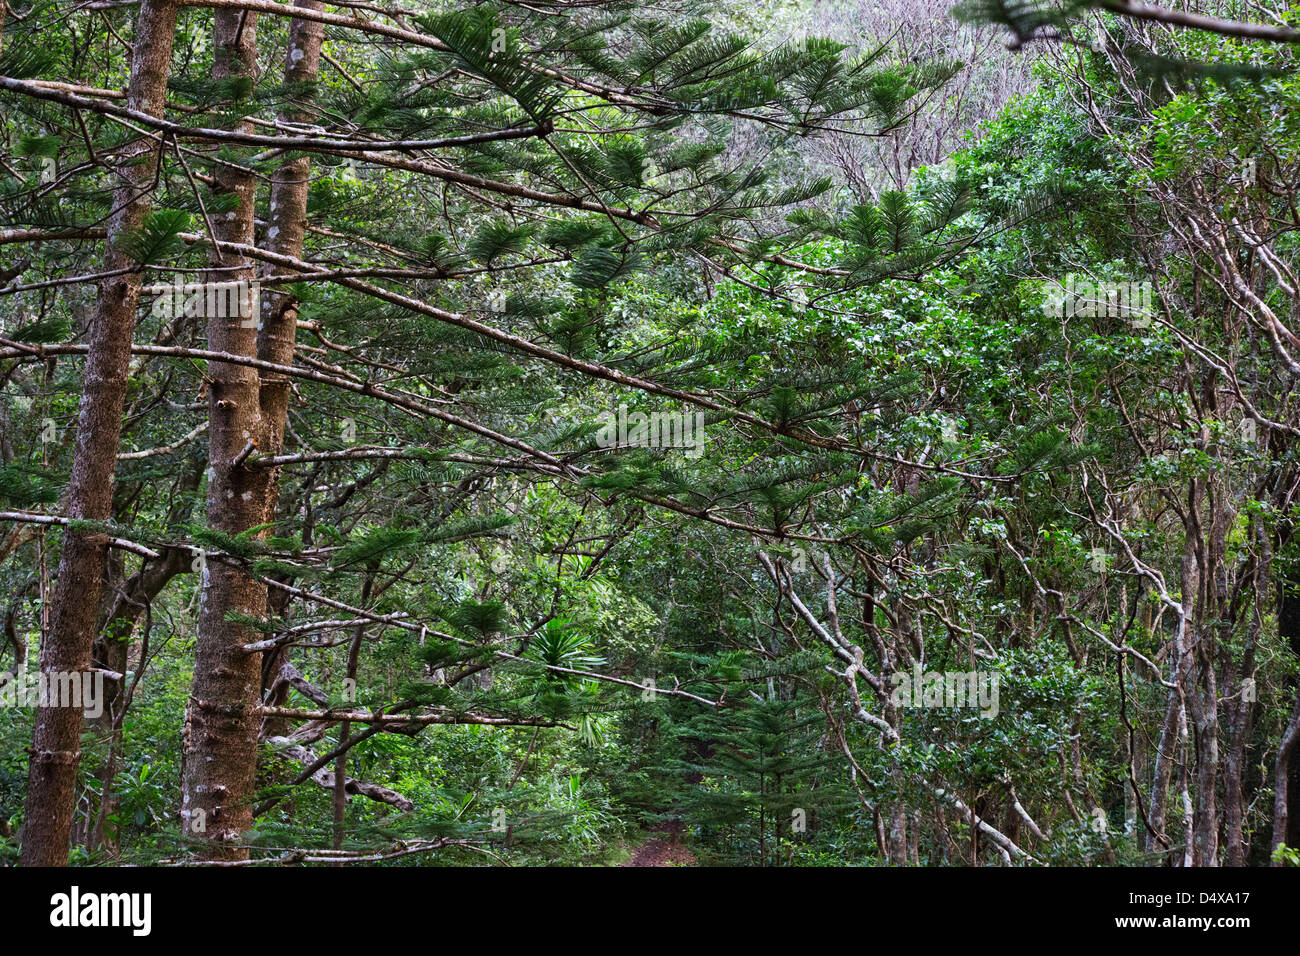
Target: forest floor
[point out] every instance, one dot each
(663, 849)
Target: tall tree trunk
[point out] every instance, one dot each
(1283, 819)
(1162, 772)
(56, 738)
(277, 334)
(897, 854)
(1286, 778)
(221, 721)
(1242, 720)
(1179, 673)
(287, 224)
(1215, 605)
(1234, 798)
(1205, 713)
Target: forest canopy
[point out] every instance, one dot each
(580, 432)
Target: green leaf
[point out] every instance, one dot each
(157, 238)
(497, 239)
(596, 267)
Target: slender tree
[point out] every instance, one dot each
(222, 720)
(66, 649)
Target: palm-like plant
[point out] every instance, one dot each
(559, 645)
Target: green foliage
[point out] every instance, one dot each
(157, 238)
(909, 462)
(596, 267)
(760, 778)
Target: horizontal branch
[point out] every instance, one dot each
(16, 350)
(164, 449)
(363, 717)
(305, 143)
(1199, 21)
(31, 517)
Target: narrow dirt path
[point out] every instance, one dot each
(664, 850)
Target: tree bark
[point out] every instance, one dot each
(1162, 772)
(1286, 778)
(56, 738)
(222, 723)
(287, 224)
(1281, 804)
(277, 333)
(1234, 797)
